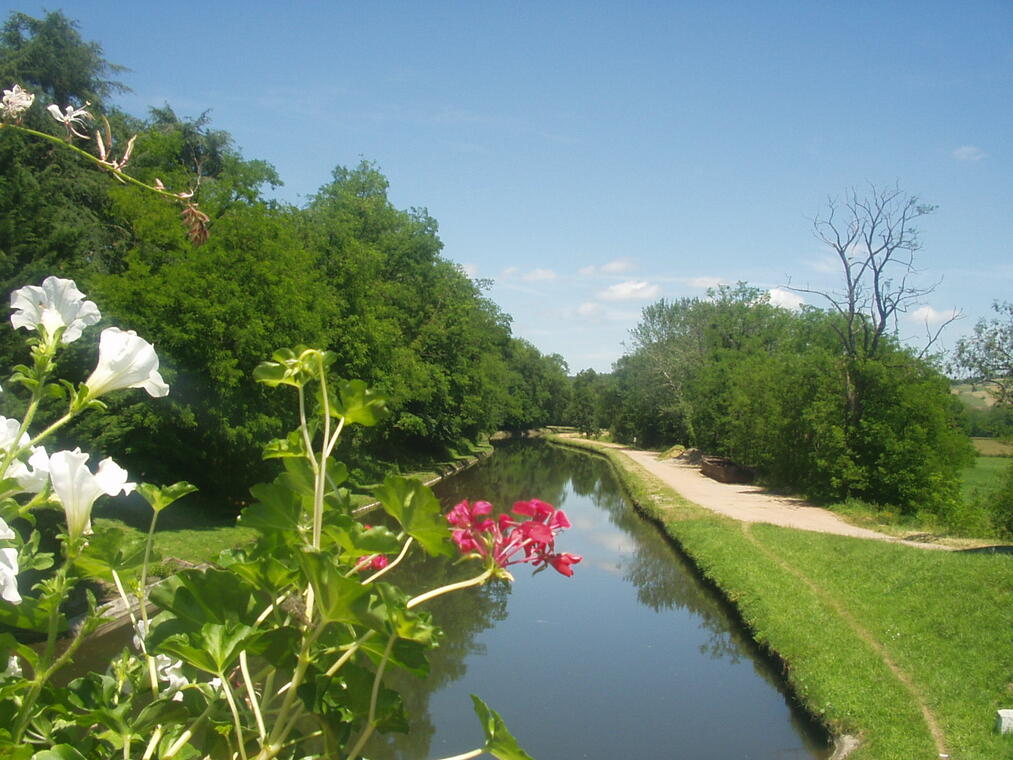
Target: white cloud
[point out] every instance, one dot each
(786, 299)
(587, 271)
(509, 272)
(590, 310)
(539, 274)
(471, 270)
(969, 153)
(930, 316)
(617, 266)
(631, 290)
(703, 282)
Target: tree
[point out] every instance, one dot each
(987, 355)
(875, 240)
(48, 56)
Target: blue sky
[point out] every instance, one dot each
(591, 158)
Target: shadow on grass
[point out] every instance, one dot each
(189, 513)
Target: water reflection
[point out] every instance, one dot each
(633, 657)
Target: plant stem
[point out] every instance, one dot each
(478, 580)
(240, 741)
(379, 573)
(254, 703)
(370, 727)
(46, 662)
(466, 755)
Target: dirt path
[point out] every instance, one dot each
(750, 503)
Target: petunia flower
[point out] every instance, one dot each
(13, 668)
(32, 480)
(15, 102)
(8, 567)
(69, 117)
(56, 306)
(9, 428)
(125, 361)
(77, 488)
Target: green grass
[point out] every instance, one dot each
(195, 532)
(985, 474)
(189, 530)
(869, 632)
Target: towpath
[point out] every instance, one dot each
(750, 503)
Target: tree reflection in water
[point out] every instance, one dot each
(662, 579)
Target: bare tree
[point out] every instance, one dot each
(875, 240)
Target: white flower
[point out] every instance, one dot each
(168, 669)
(125, 361)
(31, 480)
(13, 667)
(9, 434)
(15, 102)
(57, 305)
(77, 488)
(8, 567)
(70, 117)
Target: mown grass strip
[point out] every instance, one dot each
(837, 610)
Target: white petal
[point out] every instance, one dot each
(75, 487)
(112, 478)
(9, 575)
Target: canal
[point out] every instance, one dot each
(632, 657)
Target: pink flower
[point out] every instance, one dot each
(511, 539)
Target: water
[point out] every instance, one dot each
(631, 657)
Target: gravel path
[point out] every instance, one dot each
(751, 503)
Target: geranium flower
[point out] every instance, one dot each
(77, 488)
(8, 567)
(15, 102)
(69, 117)
(526, 535)
(125, 361)
(56, 306)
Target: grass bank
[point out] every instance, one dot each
(194, 532)
(907, 649)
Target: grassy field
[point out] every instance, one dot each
(911, 650)
(978, 396)
(992, 447)
(985, 473)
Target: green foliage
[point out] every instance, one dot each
(772, 389)
(349, 272)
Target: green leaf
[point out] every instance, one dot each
(277, 509)
(338, 599)
(359, 404)
(292, 445)
(202, 597)
(498, 741)
(419, 512)
(356, 540)
(112, 549)
(159, 497)
(59, 752)
(29, 615)
(159, 712)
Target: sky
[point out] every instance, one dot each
(592, 158)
